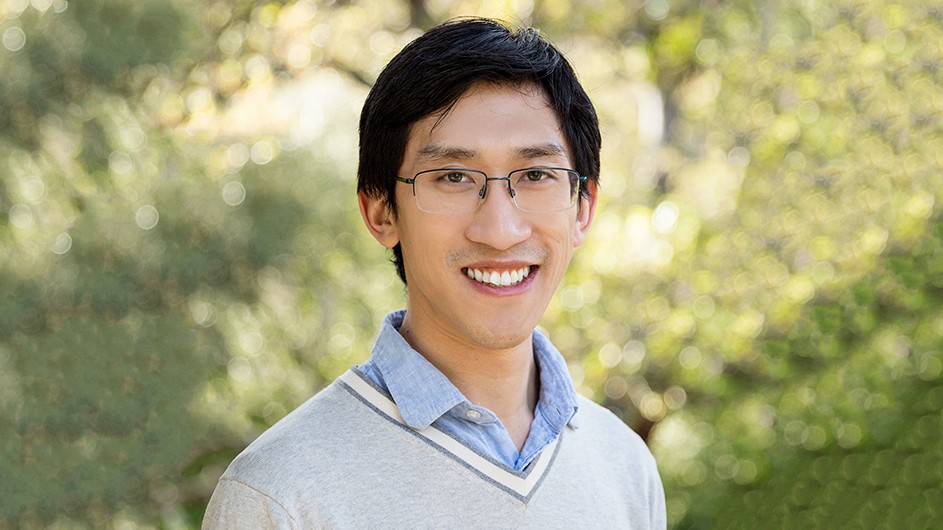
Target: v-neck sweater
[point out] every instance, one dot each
(346, 459)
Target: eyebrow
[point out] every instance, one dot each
(542, 150)
(438, 152)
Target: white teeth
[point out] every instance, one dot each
(499, 279)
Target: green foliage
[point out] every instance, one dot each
(182, 263)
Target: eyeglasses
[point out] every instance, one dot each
(459, 190)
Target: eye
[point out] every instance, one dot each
(536, 175)
(456, 177)
(450, 179)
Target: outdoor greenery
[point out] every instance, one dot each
(182, 261)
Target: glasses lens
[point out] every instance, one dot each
(459, 191)
(449, 190)
(545, 189)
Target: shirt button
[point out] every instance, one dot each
(473, 414)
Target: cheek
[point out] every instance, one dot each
(560, 241)
(564, 234)
(424, 243)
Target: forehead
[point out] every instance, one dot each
(488, 120)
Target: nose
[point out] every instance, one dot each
(498, 223)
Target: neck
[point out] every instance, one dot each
(503, 380)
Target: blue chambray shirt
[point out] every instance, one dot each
(426, 397)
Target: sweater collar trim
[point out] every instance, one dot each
(519, 484)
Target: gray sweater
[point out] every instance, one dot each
(344, 459)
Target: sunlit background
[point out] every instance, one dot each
(182, 261)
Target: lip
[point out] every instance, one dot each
(494, 290)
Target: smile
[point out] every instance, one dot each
(499, 279)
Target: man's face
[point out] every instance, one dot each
(495, 129)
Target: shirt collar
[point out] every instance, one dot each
(423, 394)
(557, 397)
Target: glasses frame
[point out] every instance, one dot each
(483, 192)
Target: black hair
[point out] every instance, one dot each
(434, 71)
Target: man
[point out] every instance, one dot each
(479, 163)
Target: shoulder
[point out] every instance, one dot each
(304, 423)
(610, 435)
(238, 505)
(616, 455)
(303, 451)
(599, 419)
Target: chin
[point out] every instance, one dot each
(493, 339)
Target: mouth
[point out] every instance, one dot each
(499, 277)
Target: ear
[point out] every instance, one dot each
(585, 213)
(379, 219)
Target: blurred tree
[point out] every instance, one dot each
(154, 271)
